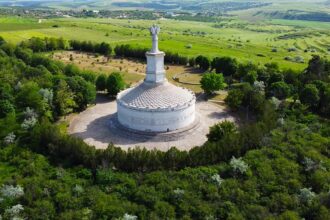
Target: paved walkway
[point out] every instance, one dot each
(96, 126)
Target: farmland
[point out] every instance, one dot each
(258, 42)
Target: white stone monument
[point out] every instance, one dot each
(155, 105)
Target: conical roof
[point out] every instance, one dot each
(156, 97)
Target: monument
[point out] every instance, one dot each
(155, 105)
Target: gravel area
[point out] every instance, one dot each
(97, 127)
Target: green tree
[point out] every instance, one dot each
(212, 82)
(36, 44)
(85, 92)
(101, 82)
(5, 108)
(29, 96)
(105, 49)
(234, 99)
(280, 90)
(226, 65)
(250, 77)
(218, 131)
(310, 95)
(71, 70)
(64, 98)
(203, 62)
(115, 83)
(164, 210)
(192, 61)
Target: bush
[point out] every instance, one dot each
(280, 90)
(203, 62)
(218, 131)
(310, 95)
(234, 99)
(226, 65)
(115, 83)
(101, 82)
(211, 82)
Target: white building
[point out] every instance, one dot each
(155, 105)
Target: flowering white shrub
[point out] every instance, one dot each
(18, 86)
(259, 86)
(9, 191)
(14, 211)
(179, 191)
(276, 102)
(309, 164)
(238, 165)
(28, 123)
(129, 217)
(47, 95)
(217, 179)
(77, 189)
(30, 113)
(281, 121)
(10, 138)
(306, 195)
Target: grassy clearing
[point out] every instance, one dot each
(133, 70)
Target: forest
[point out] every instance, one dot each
(273, 165)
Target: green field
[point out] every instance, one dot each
(245, 41)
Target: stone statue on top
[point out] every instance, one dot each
(154, 31)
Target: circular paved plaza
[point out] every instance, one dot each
(98, 126)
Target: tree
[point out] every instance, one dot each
(226, 65)
(218, 131)
(105, 49)
(5, 108)
(203, 62)
(115, 83)
(29, 96)
(318, 68)
(275, 77)
(36, 44)
(234, 99)
(101, 82)
(250, 77)
(85, 92)
(71, 70)
(64, 98)
(211, 82)
(164, 210)
(192, 61)
(280, 90)
(8, 48)
(310, 95)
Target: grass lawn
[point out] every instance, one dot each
(248, 42)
